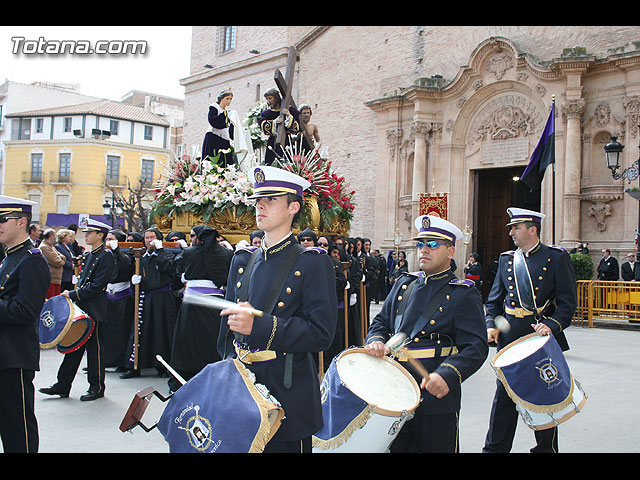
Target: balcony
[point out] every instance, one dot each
(60, 178)
(114, 181)
(32, 178)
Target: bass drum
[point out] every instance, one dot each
(366, 400)
(64, 325)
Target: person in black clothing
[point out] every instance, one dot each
(473, 270)
(443, 319)
(24, 281)
(120, 305)
(608, 267)
(629, 268)
(157, 308)
(295, 289)
(98, 269)
(204, 267)
(535, 290)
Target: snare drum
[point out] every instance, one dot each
(64, 325)
(366, 400)
(537, 378)
(221, 410)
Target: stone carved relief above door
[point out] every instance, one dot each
(506, 117)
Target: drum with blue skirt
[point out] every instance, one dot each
(221, 410)
(537, 378)
(64, 325)
(366, 400)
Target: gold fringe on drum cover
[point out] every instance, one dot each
(357, 423)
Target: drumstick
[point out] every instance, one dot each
(218, 303)
(415, 363)
(171, 370)
(398, 341)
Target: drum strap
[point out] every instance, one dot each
(524, 286)
(274, 292)
(402, 304)
(436, 301)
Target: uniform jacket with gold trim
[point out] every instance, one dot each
(303, 321)
(24, 281)
(457, 322)
(99, 268)
(553, 280)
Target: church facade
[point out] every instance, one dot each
(450, 114)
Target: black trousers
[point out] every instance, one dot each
(502, 427)
(95, 364)
(428, 434)
(296, 446)
(18, 424)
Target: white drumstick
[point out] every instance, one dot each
(502, 323)
(218, 303)
(171, 370)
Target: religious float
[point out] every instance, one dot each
(198, 191)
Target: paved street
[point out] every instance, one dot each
(605, 361)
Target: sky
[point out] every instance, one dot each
(34, 53)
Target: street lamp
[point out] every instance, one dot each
(397, 239)
(466, 235)
(613, 151)
(111, 210)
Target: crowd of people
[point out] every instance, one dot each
(316, 292)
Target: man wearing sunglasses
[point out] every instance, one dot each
(443, 319)
(24, 281)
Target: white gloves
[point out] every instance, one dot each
(135, 280)
(157, 243)
(348, 286)
(353, 298)
(182, 243)
(113, 244)
(74, 279)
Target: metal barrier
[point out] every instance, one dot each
(607, 301)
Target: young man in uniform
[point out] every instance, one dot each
(295, 288)
(535, 289)
(24, 281)
(98, 270)
(443, 319)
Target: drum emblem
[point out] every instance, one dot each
(548, 372)
(198, 430)
(47, 319)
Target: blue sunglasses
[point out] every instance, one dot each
(431, 245)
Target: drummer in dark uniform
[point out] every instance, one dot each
(204, 267)
(24, 281)
(443, 320)
(98, 270)
(535, 290)
(295, 288)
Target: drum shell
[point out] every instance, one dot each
(550, 407)
(64, 325)
(376, 427)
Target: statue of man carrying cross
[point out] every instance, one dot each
(282, 117)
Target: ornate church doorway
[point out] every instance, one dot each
(495, 190)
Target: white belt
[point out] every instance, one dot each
(117, 287)
(202, 287)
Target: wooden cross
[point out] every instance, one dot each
(285, 85)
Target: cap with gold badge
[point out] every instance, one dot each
(271, 182)
(520, 215)
(435, 228)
